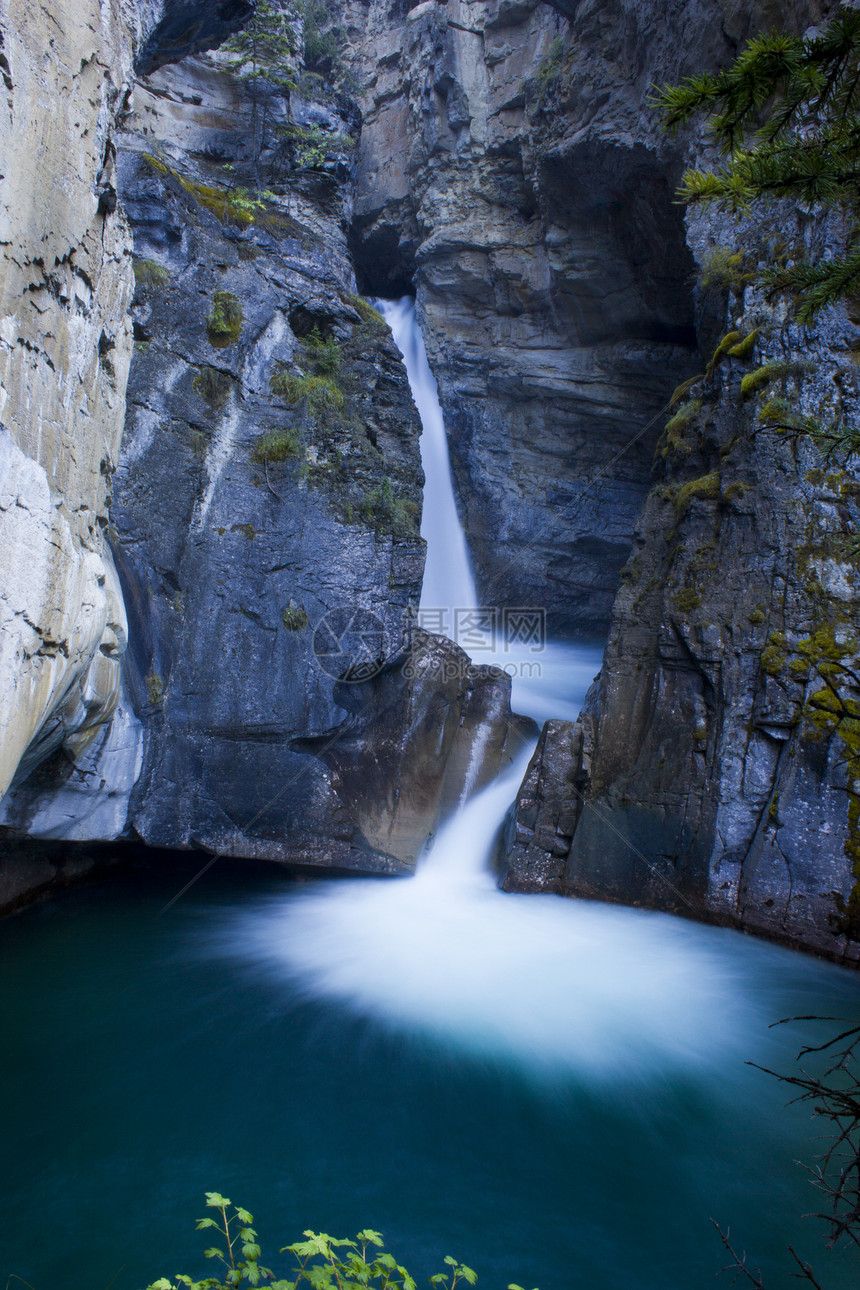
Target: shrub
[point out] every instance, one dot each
(149, 275)
(277, 445)
(224, 323)
(687, 600)
(154, 688)
(295, 617)
(321, 1262)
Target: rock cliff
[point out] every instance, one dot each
(265, 512)
(65, 345)
(715, 772)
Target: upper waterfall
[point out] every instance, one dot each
(448, 581)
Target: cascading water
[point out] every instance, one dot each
(545, 982)
(448, 581)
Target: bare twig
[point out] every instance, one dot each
(738, 1264)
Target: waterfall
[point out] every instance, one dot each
(448, 581)
(547, 983)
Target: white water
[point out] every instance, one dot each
(448, 581)
(553, 985)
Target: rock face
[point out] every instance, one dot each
(510, 164)
(717, 772)
(265, 516)
(65, 344)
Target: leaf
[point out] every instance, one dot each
(216, 1201)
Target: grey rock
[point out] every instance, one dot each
(721, 778)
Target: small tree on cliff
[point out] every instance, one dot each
(786, 118)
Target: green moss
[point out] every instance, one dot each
(756, 617)
(213, 386)
(369, 316)
(154, 688)
(156, 164)
(706, 488)
(295, 617)
(729, 340)
(149, 275)
(736, 490)
(766, 375)
(224, 323)
(681, 391)
(277, 445)
(773, 657)
(673, 437)
(723, 267)
(822, 647)
(247, 530)
(744, 348)
(687, 600)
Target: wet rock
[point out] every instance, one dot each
(721, 776)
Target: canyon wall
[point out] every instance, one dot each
(715, 772)
(65, 346)
(264, 515)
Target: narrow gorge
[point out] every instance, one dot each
(428, 599)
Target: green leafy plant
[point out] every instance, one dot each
(317, 380)
(320, 1261)
(389, 513)
(312, 146)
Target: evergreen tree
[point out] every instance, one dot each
(786, 117)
